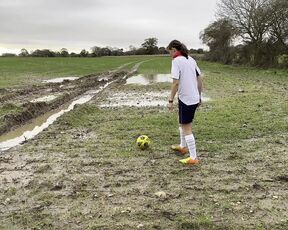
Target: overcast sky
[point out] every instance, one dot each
(82, 24)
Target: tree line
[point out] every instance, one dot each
(253, 32)
(148, 47)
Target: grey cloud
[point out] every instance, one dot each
(47, 23)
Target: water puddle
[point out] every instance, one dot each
(28, 131)
(44, 99)
(105, 78)
(146, 79)
(205, 99)
(147, 99)
(60, 79)
(152, 103)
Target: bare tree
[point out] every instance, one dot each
(150, 45)
(24, 53)
(64, 52)
(84, 53)
(251, 17)
(218, 36)
(132, 50)
(279, 22)
(95, 51)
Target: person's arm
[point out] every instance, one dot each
(199, 82)
(174, 89)
(200, 86)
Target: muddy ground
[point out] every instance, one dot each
(85, 171)
(34, 101)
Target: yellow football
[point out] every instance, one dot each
(143, 142)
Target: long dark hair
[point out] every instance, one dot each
(178, 46)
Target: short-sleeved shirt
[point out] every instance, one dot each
(186, 71)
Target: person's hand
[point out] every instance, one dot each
(170, 106)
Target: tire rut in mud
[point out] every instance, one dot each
(70, 90)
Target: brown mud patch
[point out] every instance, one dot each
(70, 178)
(68, 90)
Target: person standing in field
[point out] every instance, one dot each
(187, 82)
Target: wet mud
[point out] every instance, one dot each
(67, 90)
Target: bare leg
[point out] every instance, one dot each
(186, 129)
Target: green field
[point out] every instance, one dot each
(85, 171)
(24, 71)
(17, 71)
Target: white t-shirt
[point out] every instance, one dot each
(185, 70)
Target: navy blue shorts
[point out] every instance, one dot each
(186, 112)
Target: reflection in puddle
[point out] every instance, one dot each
(142, 79)
(60, 79)
(44, 99)
(30, 130)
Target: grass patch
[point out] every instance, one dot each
(27, 71)
(197, 223)
(8, 109)
(118, 130)
(156, 65)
